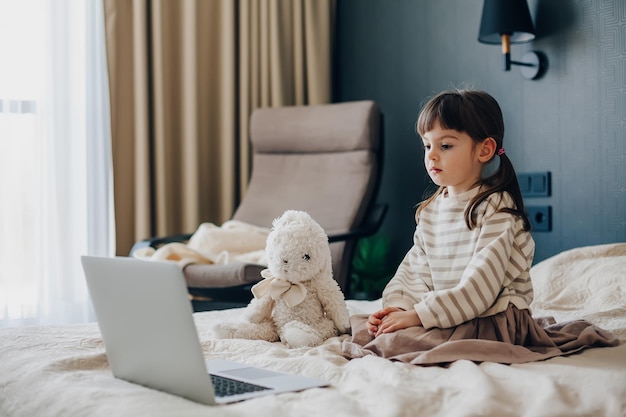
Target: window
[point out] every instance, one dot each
(55, 197)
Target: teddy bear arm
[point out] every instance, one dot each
(334, 305)
(259, 309)
(341, 318)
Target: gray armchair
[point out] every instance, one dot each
(322, 159)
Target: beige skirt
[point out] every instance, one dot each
(512, 336)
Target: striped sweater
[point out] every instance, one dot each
(453, 274)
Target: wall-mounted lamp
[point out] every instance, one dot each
(506, 22)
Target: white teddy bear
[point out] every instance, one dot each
(298, 302)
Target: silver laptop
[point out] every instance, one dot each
(146, 321)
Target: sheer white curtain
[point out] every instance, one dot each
(55, 169)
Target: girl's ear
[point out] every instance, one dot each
(487, 149)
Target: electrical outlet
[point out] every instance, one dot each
(535, 184)
(540, 218)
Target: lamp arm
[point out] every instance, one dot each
(524, 64)
(506, 51)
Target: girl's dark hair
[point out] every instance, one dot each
(478, 114)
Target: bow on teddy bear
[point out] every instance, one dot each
(276, 287)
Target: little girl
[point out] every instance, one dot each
(463, 290)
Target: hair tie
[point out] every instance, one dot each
(501, 151)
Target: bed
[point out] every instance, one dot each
(63, 370)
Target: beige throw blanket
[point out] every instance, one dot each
(234, 241)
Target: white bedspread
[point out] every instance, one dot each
(63, 371)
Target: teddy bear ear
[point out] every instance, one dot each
(291, 216)
(275, 222)
(280, 220)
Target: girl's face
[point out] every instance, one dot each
(453, 159)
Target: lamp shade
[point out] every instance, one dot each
(510, 17)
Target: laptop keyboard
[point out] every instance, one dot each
(225, 387)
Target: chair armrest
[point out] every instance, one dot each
(155, 242)
(370, 225)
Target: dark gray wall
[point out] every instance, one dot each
(570, 122)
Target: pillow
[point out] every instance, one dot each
(587, 279)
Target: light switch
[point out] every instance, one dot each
(536, 184)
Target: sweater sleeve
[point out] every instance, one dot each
(411, 280)
(482, 279)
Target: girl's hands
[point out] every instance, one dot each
(376, 319)
(390, 319)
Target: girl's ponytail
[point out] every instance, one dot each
(504, 180)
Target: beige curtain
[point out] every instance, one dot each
(184, 77)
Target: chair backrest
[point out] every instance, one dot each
(322, 159)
